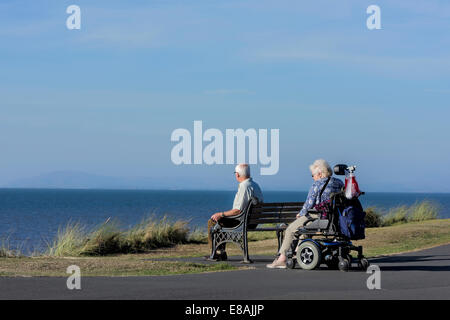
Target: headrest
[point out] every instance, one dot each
(339, 169)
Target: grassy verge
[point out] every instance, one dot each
(379, 241)
(406, 237)
(103, 266)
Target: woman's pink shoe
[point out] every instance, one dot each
(277, 265)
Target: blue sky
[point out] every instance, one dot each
(105, 99)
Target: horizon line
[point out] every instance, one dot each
(207, 190)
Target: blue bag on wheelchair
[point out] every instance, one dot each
(351, 222)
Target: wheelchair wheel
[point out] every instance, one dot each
(308, 255)
(290, 263)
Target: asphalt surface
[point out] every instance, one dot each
(417, 275)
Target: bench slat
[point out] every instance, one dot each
(277, 216)
(265, 221)
(267, 229)
(260, 210)
(275, 209)
(279, 204)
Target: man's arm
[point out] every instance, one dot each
(218, 215)
(240, 203)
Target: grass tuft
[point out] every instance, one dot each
(68, 241)
(373, 219)
(152, 234)
(6, 251)
(105, 239)
(198, 236)
(395, 216)
(108, 238)
(422, 211)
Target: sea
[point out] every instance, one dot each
(30, 218)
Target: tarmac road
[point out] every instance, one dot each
(417, 275)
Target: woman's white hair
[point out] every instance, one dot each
(321, 166)
(243, 170)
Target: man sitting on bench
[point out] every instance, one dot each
(247, 190)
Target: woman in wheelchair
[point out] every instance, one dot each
(323, 186)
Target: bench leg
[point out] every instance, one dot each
(213, 249)
(245, 249)
(213, 244)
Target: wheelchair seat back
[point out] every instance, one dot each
(330, 225)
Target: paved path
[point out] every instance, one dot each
(417, 275)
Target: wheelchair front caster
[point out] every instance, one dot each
(344, 265)
(290, 263)
(363, 264)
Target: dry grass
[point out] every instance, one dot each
(152, 234)
(108, 238)
(406, 237)
(421, 211)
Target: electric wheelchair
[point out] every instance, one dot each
(320, 241)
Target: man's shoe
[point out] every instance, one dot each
(215, 258)
(277, 265)
(223, 256)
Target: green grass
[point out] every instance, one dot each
(177, 267)
(132, 265)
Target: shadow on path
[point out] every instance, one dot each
(413, 263)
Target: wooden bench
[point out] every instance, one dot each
(257, 217)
